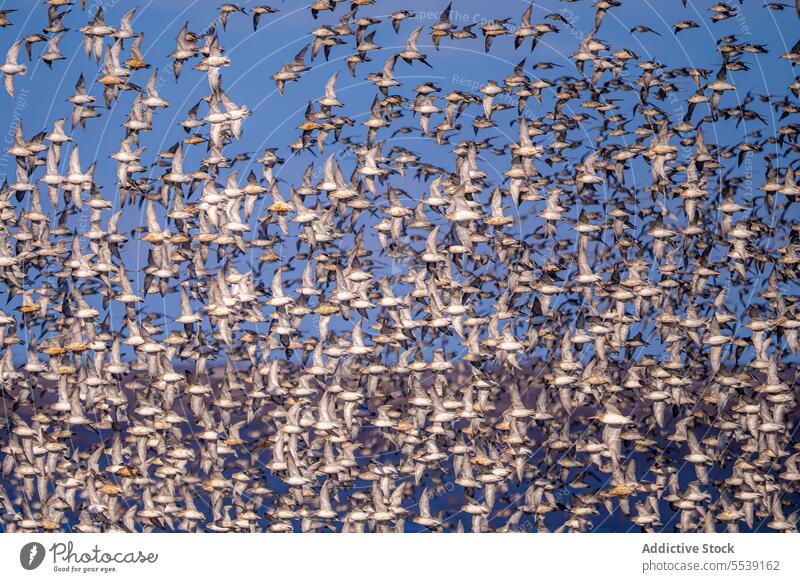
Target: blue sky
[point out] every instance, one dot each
(459, 65)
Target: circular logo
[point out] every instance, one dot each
(31, 555)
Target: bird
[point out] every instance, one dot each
(11, 67)
(259, 11)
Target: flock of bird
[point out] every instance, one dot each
(587, 321)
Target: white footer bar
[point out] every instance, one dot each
(404, 558)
